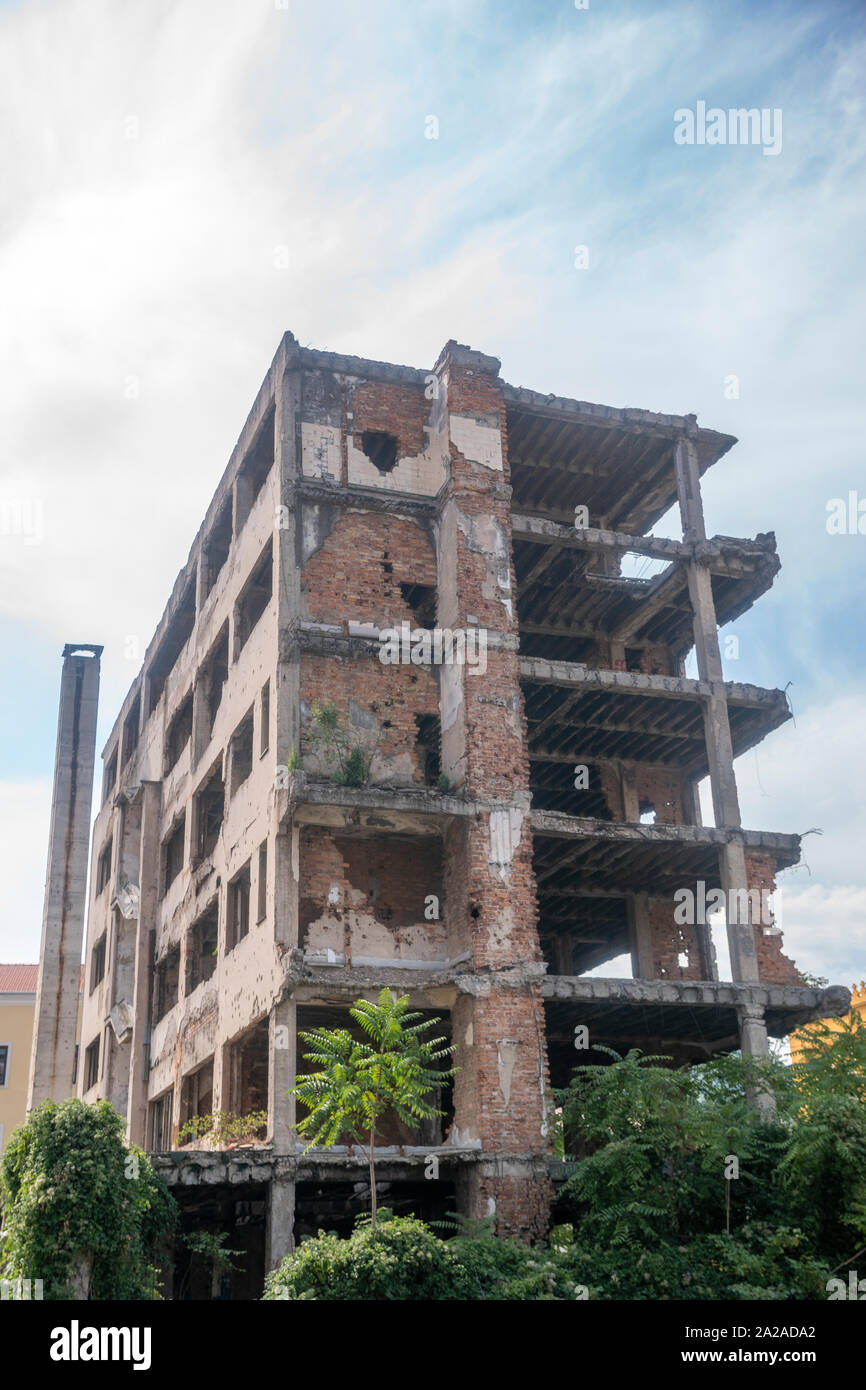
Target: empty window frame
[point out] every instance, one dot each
(173, 853)
(217, 547)
(103, 868)
(248, 1070)
(179, 733)
(238, 908)
(210, 809)
(166, 983)
(254, 598)
(265, 720)
(159, 1122)
(91, 1064)
(254, 470)
(215, 674)
(97, 962)
(130, 731)
(174, 640)
(109, 777)
(196, 1092)
(262, 890)
(241, 760)
(202, 944)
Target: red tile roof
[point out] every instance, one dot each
(18, 979)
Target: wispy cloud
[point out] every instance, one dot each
(156, 156)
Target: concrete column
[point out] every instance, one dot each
(286, 704)
(717, 729)
(281, 1220)
(640, 935)
(149, 865)
(289, 554)
(282, 1038)
(56, 1019)
(630, 799)
(754, 1043)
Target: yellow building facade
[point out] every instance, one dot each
(17, 1009)
(800, 1039)
(17, 1014)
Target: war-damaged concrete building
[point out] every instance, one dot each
(527, 818)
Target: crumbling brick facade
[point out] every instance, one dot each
(515, 858)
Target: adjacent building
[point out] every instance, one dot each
(18, 987)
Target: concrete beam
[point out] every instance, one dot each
(556, 823)
(578, 676)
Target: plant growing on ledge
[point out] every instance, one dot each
(358, 1081)
(223, 1128)
(353, 761)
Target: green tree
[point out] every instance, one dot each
(358, 1081)
(823, 1172)
(660, 1209)
(82, 1212)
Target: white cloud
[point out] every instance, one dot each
(155, 156)
(25, 815)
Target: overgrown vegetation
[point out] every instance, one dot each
(82, 1212)
(223, 1127)
(358, 1081)
(348, 753)
(398, 1258)
(678, 1189)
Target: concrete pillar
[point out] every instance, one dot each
(281, 1220)
(640, 936)
(741, 932)
(282, 1038)
(754, 1043)
(630, 799)
(149, 866)
(717, 729)
(289, 553)
(56, 1020)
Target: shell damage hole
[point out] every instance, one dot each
(380, 448)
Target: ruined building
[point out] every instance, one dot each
(528, 817)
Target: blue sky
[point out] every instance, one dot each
(161, 162)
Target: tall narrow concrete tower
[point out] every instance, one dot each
(53, 1057)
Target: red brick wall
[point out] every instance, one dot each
(774, 967)
(522, 1206)
(663, 787)
(394, 694)
(396, 408)
(358, 570)
(668, 939)
(501, 1088)
(383, 876)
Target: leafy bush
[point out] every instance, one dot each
(221, 1127)
(398, 1259)
(82, 1212)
